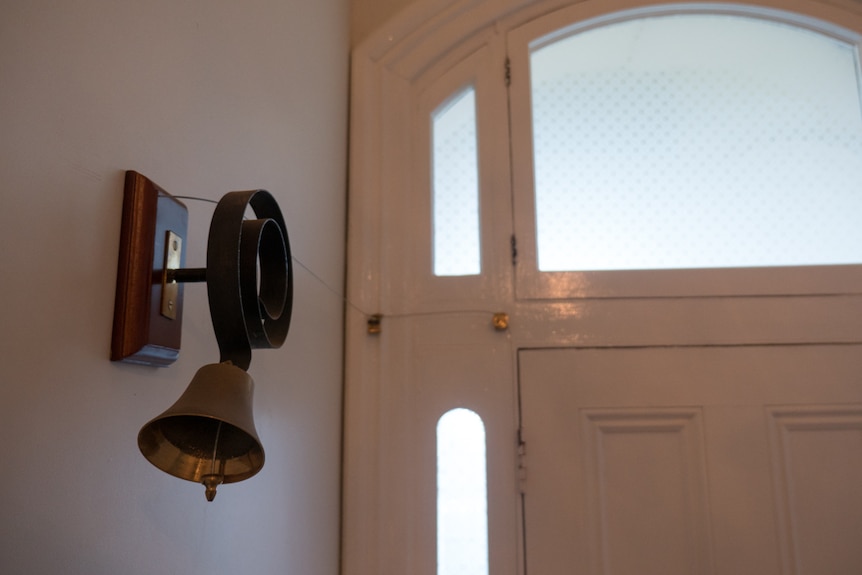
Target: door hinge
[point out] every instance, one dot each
(514, 243)
(508, 75)
(522, 462)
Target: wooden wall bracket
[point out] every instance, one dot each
(142, 334)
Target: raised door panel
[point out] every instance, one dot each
(817, 460)
(645, 476)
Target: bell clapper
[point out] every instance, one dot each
(213, 479)
(211, 482)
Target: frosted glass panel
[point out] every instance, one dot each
(696, 141)
(456, 187)
(462, 495)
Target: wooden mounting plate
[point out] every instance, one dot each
(141, 334)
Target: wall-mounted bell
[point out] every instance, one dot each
(208, 436)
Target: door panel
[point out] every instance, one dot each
(693, 460)
(641, 464)
(818, 472)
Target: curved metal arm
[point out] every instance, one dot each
(243, 318)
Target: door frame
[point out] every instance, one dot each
(378, 533)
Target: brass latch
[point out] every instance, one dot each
(374, 327)
(501, 321)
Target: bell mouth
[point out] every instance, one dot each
(192, 446)
(209, 431)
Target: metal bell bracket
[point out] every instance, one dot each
(243, 317)
(249, 275)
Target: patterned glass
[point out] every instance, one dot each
(696, 141)
(462, 498)
(455, 175)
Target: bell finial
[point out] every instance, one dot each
(211, 482)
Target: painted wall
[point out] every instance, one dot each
(367, 16)
(204, 97)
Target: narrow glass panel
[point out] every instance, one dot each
(462, 495)
(456, 187)
(696, 141)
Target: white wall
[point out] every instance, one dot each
(204, 97)
(368, 16)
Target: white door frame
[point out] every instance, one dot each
(382, 526)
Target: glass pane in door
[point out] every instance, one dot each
(462, 494)
(455, 187)
(696, 141)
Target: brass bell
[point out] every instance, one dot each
(208, 435)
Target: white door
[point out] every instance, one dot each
(691, 466)
(693, 460)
